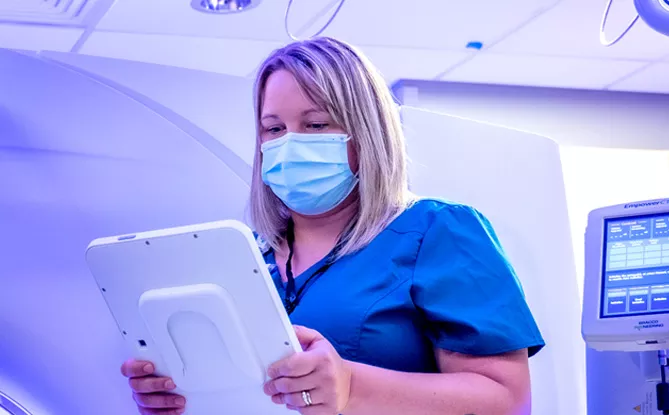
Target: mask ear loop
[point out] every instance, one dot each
(602, 28)
(285, 20)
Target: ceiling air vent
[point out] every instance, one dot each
(223, 6)
(53, 12)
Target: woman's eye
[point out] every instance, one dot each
(273, 130)
(318, 126)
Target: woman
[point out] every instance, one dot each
(403, 306)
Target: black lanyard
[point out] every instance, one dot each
(292, 297)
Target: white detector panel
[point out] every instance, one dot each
(515, 179)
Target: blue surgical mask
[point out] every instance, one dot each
(308, 172)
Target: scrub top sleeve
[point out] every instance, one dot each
(467, 289)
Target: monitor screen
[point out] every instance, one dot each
(636, 266)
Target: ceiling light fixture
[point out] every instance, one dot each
(224, 6)
(655, 13)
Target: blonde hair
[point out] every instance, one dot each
(342, 81)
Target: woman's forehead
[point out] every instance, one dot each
(283, 95)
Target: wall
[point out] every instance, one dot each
(596, 177)
(614, 145)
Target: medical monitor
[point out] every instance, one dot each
(626, 289)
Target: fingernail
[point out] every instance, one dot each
(180, 401)
(148, 368)
(169, 384)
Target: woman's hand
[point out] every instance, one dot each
(152, 392)
(319, 370)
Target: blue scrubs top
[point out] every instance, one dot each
(436, 277)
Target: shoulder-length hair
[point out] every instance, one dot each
(341, 81)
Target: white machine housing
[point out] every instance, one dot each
(621, 287)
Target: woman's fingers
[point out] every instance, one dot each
(151, 384)
(290, 385)
(150, 392)
(135, 368)
(297, 400)
(151, 411)
(159, 400)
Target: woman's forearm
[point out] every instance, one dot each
(380, 391)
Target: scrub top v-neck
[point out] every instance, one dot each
(436, 277)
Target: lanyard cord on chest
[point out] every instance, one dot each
(292, 296)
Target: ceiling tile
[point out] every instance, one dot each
(30, 37)
(572, 29)
(431, 24)
(655, 78)
(176, 17)
(437, 25)
(402, 63)
(228, 56)
(541, 71)
(52, 12)
(27, 7)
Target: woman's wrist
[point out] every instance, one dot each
(356, 393)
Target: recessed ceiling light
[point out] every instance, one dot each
(224, 6)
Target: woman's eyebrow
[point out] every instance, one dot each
(304, 113)
(313, 110)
